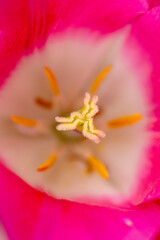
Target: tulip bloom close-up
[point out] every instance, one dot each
(79, 120)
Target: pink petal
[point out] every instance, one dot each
(103, 15)
(154, 3)
(28, 214)
(3, 235)
(25, 210)
(146, 30)
(25, 24)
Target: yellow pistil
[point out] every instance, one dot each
(43, 103)
(82, 120)
(125, 121)
(47, 164)
(99, 79)
(52, 81)
(98, 166)
(24, 121)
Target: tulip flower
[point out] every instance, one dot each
(79, 120)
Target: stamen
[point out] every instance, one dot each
(96, 83)
(24, 121)
(98, 166)
(82, 120)
(47, 164)
(125, 121)
(52, 81)
(43, 103)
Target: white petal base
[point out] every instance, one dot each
(76, 61)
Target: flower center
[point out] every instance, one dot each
(80, 122)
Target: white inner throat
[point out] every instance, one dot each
(75, 61)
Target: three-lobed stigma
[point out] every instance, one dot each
(82, 120)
